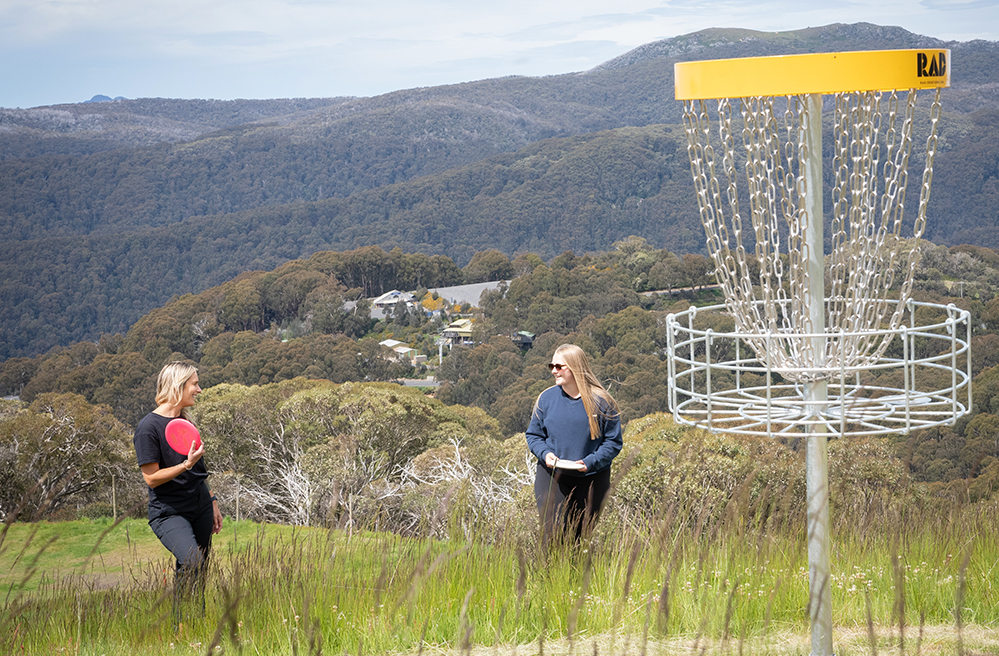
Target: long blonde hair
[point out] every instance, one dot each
(170, 384)
(596, 400)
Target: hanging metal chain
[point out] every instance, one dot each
(869, 257)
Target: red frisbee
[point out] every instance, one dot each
(181, 434)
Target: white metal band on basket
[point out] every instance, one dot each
(719, 383)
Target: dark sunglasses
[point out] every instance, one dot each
(557, 367)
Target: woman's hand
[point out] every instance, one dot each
(551, 460)
(216, 517)
(194, 456)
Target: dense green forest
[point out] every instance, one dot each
(109, 209)
(307, 320)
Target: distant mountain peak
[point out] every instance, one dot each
(102, 98)
(718, 43)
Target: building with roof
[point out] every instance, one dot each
(523, 339)
(458, 332)
(384, 305)
(402, 351)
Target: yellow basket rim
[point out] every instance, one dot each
(813, 73)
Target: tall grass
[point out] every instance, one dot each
(724, 584)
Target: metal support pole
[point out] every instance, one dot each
(816, 393)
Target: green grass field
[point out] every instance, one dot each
(90, 587)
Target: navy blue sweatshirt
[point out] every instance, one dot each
(559, 425)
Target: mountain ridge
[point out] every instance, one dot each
(828, 38)
(218, 114)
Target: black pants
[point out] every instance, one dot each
(189, 539)
(568, 503)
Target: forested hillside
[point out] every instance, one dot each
(578, 193)
(92, 127)
(109, 209)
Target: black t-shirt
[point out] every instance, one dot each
(185, 494)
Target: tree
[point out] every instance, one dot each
(241, 307)
(985, 391)
(369, 268)
(633, 244)
(331, 308)
(247, 437)
(526, 263)
(286, 290)
(567, 260)
(667, 273)
(696, 269)
(311, 451)
(126, 383)
(57, 451)
(630, 329)
(487, 266)
(981, 443)
(15, 374)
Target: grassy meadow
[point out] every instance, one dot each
(919, 584)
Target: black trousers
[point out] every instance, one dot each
(189, 539)
(568, 504)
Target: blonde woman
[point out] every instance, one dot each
(575, 433)
(183, 512)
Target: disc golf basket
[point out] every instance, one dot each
(822, 344)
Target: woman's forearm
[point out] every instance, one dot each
(154, 476)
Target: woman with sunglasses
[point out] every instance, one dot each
(575, 433)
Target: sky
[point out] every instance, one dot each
(66, 51)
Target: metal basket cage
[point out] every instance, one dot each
(717, 382)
